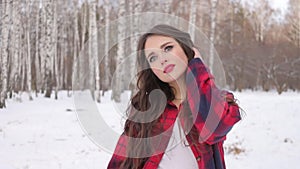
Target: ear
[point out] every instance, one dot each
(197, 53)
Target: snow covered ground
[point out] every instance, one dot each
(46, 133)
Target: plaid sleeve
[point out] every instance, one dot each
(120, 150)
(214, 115)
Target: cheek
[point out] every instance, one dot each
(181, 57)
(181, 61)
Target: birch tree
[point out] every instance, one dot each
(294, 23)
(4, 50)
(42, 48)
(82, 66)
(49, 46)
(192, 19)
(63, 34)
(118, 80)
(261, 17)
(14, 64)
(38, 44)
(232, 8)
(213, 12)
(84, 22)
(106, 70)
(93, 51)
(28, 55)
(76, 45)
(136, 9)
(55, 57)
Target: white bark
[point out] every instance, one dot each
(4, 50)
(28, 58)
(134, 42)
(83, 18)
(56, 58)
(23, 67)
(106, 69)
(75, 72)
(193, 15)
(232, 22)
(49, 46)
(42, 48)
(16, 47)
(83, 51)
(64, 51)
(38, 79)
(93, 51)
(213, 12)
(118, 81)
(293, 18)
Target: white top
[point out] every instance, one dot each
(178, 155)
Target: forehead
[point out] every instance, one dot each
(156, 41)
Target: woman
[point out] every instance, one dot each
(186, 126)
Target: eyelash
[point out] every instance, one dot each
(166, 49)
(151, 57)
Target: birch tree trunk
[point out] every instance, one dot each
(93, 51)
(213, 12)
(56, 59)
(82, 66)
(14, 63)
(48, 12)
(64, 53)
(28, 58)
(136, 9)
(42, 47)
(118, 80)
(84, 23)
(293, 20)
(192, 20)
(23, 66)
(231, 23)
(4, 50)
(75, 72)
(106, 70)
(134, 41)
(38, 75)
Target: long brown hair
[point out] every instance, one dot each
(147, 81)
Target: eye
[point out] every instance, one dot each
(168, 48)
(152, 58)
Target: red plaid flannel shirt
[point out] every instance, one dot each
(214, 118)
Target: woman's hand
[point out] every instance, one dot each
(197, 53)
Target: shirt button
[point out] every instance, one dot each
(198, 158)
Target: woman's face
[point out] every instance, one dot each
(166, 58)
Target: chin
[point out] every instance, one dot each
(169, 79)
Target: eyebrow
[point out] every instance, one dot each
(162, 46)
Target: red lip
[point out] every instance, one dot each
(169, 68)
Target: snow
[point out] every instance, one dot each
(47, 133)
(269, 131)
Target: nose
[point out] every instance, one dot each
(163, 61)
